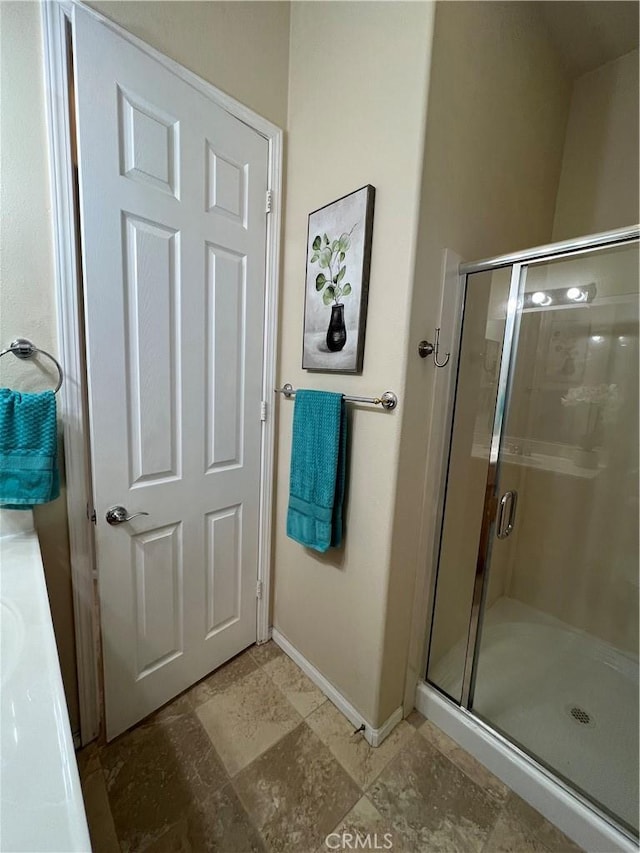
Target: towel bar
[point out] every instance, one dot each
(23, 348)
(388, 400)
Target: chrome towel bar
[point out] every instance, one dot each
(23, 348)
(388, 400)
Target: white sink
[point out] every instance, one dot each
(41, 807)
(11, 640)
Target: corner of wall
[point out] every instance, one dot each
(378, 140)
(471, 202)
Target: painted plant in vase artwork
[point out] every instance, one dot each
(337, 281)
(331, 256)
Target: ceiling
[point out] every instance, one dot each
(588, 33)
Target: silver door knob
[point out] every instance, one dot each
(118, 514)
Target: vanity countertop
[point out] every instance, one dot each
(41, 805)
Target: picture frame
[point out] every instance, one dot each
(338, 264)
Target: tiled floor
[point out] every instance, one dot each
(254, 758)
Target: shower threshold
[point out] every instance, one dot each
(563, 695)
(569, 811)
(566, 697)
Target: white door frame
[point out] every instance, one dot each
(56, 15)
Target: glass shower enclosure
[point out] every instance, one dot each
(535, 620)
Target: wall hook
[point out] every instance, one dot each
(426, 349)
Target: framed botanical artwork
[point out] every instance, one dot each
(337, 283)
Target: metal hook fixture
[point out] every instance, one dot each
(425, 349)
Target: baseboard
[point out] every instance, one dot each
(378, 735)
(373, 736)
(570, 813)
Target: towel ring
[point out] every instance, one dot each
(23, 348)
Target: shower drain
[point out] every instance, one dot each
(580, 715)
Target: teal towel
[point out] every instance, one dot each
(28, 447)
(316, 485)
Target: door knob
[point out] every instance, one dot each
(118, 514)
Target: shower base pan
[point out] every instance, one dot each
(562, 694)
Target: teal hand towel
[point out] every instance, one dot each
(28, 449)
(318, 465)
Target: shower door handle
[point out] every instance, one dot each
(510, 500)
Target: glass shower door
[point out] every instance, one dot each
(554, 663)
(482, 342)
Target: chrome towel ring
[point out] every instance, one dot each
(23, 348)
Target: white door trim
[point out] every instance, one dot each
(55, 17)
(72, 394)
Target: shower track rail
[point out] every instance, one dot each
(552, 250)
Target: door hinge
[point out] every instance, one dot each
(263, 410)
(91, 514)
(259, 590)
(269, 201)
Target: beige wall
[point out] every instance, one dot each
(243, 48)
(599, 183)
(240, 47)
(370, 62)
(498, 105)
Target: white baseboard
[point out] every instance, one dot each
(376, 736)
(373, 736)
(537, 786)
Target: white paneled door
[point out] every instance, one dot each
(172, 202)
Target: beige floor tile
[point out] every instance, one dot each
(102, 830)
(415, 718)
(246, 719)
(154, 775)
(299, 690)
(265, 652)
(218, 823)
(296, 793)
(465, 761)
(362, 761)
(88, 759)
(222, 678)
(364, 828)
(432, 805)
(171, 711)
(510, 836)
(521, 829)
